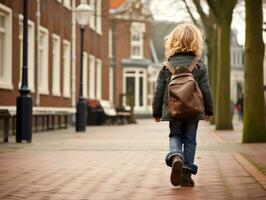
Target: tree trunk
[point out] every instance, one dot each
(223, 11)
(214, 75)
(209, 56)
(211, 42)
(254, 112)
(223, 115)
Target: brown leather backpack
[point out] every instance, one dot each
(185, 100)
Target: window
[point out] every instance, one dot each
(92, 77)
(85, 74)
(92, 19)
(141, 91)
(66, 65)
(31, 52)
(137, 30)
(99, 16)
(98, 79)
(240, 58)
(5, 48)
(67, 4)
(56, 65)
(135, 86)
(110, 44)
(111, 84)
(236, 58)
(43, 67)
(130, 89)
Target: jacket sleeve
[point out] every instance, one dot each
(206, 91)
(158, 96)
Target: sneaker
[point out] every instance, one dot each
(177, 171)
(187, 181)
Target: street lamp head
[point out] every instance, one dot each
(83, 13)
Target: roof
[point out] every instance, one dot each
(133, 9)
(160, 29)
(116, 3)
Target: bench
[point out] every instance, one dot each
(47, 115)
(109, 112)
(124, 113)
(5, 114)
(112, 115)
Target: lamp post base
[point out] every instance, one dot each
(81, 115)
(24, 119)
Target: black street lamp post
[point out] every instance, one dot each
(24, 101)
(83, 13)
(81, 114)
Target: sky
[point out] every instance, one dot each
(174, 10)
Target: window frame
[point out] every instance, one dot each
(136, 73)
(7, 82)
(92, 63)
(98, 79)
(139, 29)
(110, 39)
(98, 20)
(67, 74)
(111, 84)
(56, 79)
(68, 6)
(85, 74)
(92, 22)
(44, 64)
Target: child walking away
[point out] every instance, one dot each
(182, 97)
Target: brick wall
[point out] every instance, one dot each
(122, 35)
(57, 19)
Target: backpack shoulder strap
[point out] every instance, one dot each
(193, 64)
(169, 66)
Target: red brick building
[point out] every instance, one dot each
(130, 53)
(54, 52)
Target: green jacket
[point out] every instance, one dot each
(200, 74)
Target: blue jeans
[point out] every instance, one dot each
(182, 142)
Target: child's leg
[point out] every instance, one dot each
(175, 157)
(175, 142)
(189, 135)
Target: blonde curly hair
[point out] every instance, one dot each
(185, 37)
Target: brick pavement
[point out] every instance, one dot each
(122, 162)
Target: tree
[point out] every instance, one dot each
(254, 129)
(223, 11)
(210, 28)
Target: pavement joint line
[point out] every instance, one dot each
(251, 169)
(219, 139)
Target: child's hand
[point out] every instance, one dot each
(157, 119)
(207, 117)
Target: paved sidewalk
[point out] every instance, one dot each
(125, 162)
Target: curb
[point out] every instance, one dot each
(247, 165)
(251, 169)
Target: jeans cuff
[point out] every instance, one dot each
(169, 158)
(193, 170)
